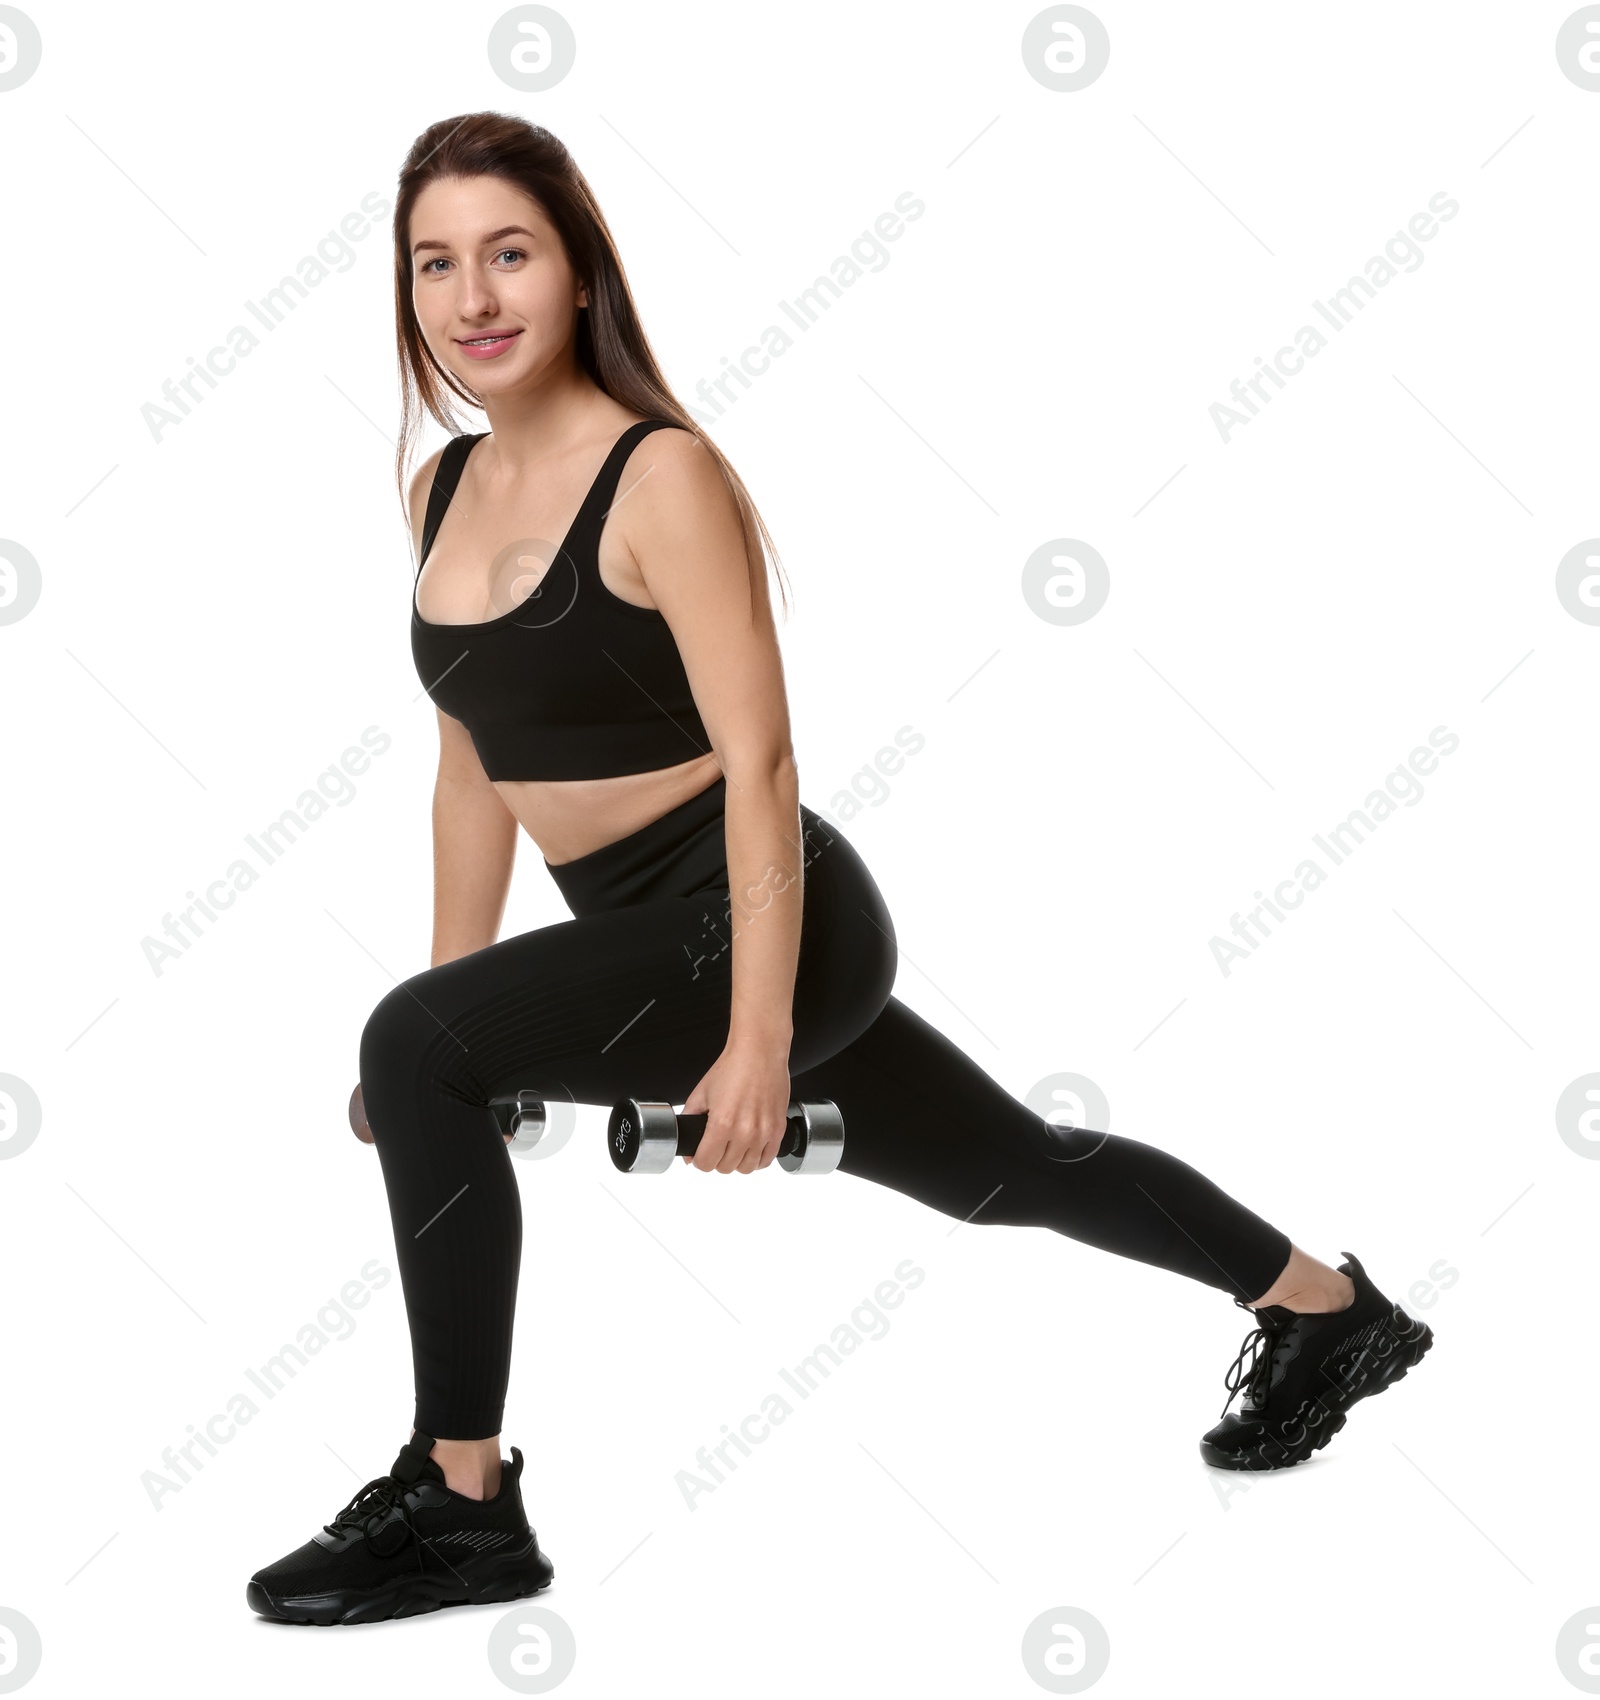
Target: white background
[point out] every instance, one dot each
(1290, 613)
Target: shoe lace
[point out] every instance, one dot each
(1253, 1377)
(369, 1510)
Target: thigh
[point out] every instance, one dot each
(922, 1117)
(626, 1003)
(633, 1000)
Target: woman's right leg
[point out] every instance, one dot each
(589, 1011)
(626, 1002)
(630, 998)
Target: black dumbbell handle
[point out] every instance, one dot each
(691, 1127)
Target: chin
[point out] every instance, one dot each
(481, 382)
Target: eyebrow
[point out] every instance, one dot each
(493, 236)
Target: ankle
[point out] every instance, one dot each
(1337, 1292)
(471, 1467)
(1307, 1284)
(473, 1478)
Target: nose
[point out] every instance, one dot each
(477, 299)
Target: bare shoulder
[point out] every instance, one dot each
(673, 476)
(421, 484)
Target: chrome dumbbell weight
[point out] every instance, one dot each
(517, 1114)
(520, 1116)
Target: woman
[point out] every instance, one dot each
(621, 699)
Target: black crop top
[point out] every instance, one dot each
(574, 682)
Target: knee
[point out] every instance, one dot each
(397, 1037)
(1060, 1142)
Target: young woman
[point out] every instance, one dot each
(620, 698)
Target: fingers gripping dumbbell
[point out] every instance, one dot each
(644, 1136)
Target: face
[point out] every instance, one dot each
(488, 264)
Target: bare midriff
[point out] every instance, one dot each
(568, 818)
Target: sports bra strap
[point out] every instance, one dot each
(446, 475)
(597, 503)
(590, 516)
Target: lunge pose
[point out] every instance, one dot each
(619, 696)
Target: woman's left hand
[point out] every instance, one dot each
(745, 1098)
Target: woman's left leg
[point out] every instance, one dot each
(922, 1117)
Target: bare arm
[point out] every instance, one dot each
(474, 849)
(682, 526)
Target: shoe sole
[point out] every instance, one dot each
(509, 1577)
(1378, 1375)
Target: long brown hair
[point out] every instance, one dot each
(612, 346)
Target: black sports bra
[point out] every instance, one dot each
(574, 682)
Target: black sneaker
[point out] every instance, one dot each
(405, 1544)
(1305, 1372)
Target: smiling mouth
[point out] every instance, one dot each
(488, 347)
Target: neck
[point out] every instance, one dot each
(540, 424)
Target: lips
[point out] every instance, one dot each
(487, 345)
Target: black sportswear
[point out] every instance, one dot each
(632, 998)
(405, 1544)
(574, 682)
(1305, 1371)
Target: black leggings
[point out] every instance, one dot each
(631, 999)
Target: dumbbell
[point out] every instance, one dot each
(521, 1113)
(512, 1115)
(644, 1136)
